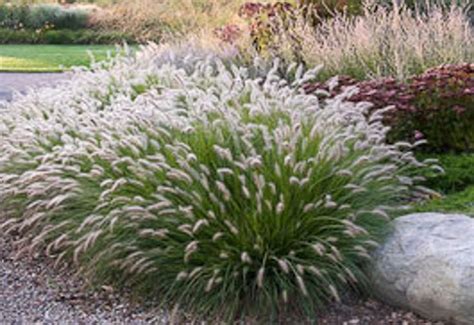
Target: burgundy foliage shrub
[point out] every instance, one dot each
(437, 105)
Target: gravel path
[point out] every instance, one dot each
(10, 82)
(32, 292)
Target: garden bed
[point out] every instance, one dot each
(228, 186)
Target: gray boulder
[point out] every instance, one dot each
(427, 265)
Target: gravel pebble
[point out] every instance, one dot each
(32, 292)
(353, 311)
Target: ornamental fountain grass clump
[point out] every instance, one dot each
(381, 42)
(202, 184)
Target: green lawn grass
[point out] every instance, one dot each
(49, 58)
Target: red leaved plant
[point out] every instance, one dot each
(437, 105)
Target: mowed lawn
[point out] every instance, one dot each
(49, 58)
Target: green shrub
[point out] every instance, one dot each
(42, 16)
(11, 36)
(58, 37)
(458, 172)
(65, 36)
(458, 202)
(59, 17)
(13, 16)
(213, 187)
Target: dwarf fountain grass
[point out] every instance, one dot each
(212, 189)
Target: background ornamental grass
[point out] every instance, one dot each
(203, 184)
(381, 42)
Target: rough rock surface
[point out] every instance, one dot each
(427, 265)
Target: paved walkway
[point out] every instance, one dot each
(10, 82)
